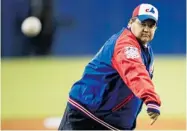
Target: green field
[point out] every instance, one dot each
(37, 88)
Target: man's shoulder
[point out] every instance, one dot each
(127, 38)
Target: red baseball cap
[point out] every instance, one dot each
(145, 11)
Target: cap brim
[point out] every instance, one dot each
(145, 17)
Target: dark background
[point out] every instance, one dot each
(82, 26)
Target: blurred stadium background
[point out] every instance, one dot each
(35, 85)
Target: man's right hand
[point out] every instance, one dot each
(153, 116)
(153, 112)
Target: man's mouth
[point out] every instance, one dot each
(145, 35)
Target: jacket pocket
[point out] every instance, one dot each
(122, 103)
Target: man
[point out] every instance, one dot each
(117, 81)
(43, 9)
(40, 45)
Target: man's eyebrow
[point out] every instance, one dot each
(150, 23)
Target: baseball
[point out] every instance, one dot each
(31, 26)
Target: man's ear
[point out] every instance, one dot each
(156, 28)
(131, 21)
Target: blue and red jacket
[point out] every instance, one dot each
(116, 82)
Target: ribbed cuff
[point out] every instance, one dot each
(153, 107)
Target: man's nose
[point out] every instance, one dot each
(146, 28)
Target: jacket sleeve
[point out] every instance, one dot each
(128, 63)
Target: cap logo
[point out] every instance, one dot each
(150, 10)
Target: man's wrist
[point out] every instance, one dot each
(153, 107)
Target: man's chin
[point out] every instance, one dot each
(145, 40)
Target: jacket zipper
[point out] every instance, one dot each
(124, 102)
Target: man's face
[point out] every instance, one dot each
(144, 31)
